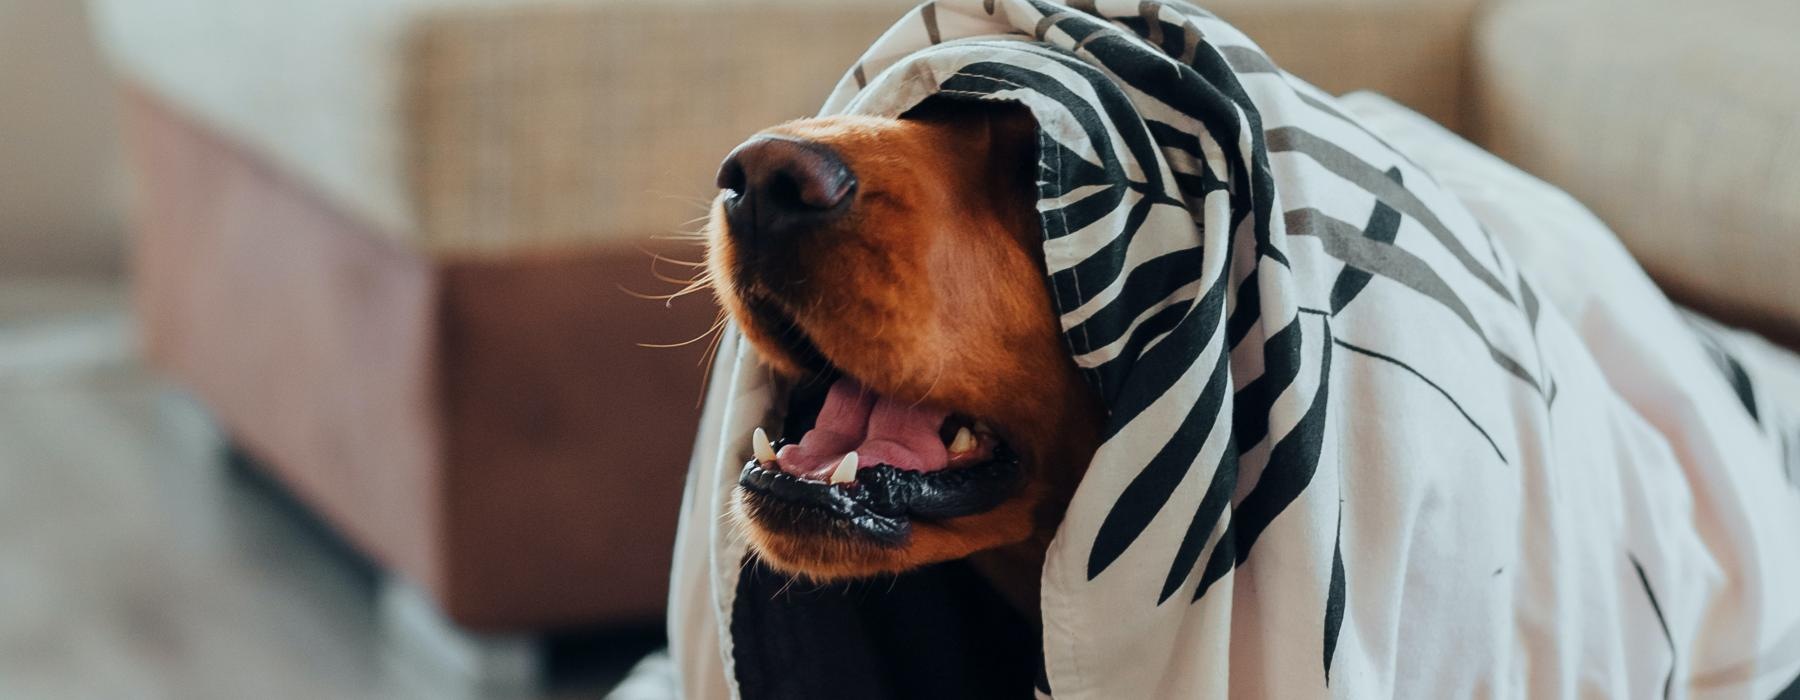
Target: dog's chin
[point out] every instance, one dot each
(885, 520)
(824, 547)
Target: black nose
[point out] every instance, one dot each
(781, 186)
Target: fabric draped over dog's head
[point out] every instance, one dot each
(1321, 376)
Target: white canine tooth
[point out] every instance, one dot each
(963, 442)
(765, 450)
(846, 470)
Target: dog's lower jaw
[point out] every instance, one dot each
(1019, 532)
(1007, 545)
(843, 557)
(1014, 570)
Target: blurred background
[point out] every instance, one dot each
(325, 365)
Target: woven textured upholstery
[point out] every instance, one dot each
(1677, 123)
(482, 126)
(1413, 51)
(559, 125)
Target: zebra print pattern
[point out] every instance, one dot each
(1316, 362)
(1170, 257)
(1355, 447)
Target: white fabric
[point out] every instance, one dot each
(652, 678)
(1623, 320)
(1510, 475)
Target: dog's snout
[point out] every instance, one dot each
(778, 186)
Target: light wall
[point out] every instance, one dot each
(61, 207)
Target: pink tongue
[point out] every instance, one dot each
(881, 430)
(840, 427)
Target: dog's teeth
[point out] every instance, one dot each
(982, 427)
(765, 450)
(846, 470)
(963, 442)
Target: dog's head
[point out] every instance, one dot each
(890, 270)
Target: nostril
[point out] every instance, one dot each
(783, 190)
(820, 183)
(731, 176)
(779, 186)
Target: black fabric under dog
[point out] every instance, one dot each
(940, 632)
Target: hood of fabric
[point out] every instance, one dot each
(1321, 374)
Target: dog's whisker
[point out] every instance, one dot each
(694, 228)
(696, 236)
(689, 286)
(677, 261)
(939, 376)
(690, 289)
(679, 197)
(656, 257)
(709, 331)
(707, 358)
(700, 280)
(711, 354)
(792, 578)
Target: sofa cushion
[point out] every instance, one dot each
(312, 86)
(1677, 123)
(483, 126)
(1413, 51)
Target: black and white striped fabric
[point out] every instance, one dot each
(1351, 449)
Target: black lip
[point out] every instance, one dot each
(884, 500)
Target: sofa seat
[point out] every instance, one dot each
(485, 126)
(1677, 123)
(393, 246)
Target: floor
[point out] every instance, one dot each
(137, 562)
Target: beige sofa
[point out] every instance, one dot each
(398, 248)
(384, 239)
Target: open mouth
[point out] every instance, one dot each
(868, 465)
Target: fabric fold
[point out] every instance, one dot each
(1349, 452)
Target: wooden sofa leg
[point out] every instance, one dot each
(425, 651)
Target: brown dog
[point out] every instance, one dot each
(895, 265)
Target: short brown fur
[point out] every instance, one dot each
(931, 288)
